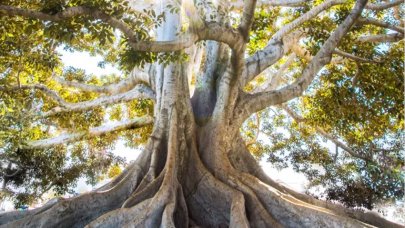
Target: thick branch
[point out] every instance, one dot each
(285, 3)
(123, 86)
(252, 103)
(247, 18)
(183, 41)
(139, 92)
(91, 133)
(305, 17)
(228, 35)
(274, 50)
(395, 37)
(261, 60)
(383, 6)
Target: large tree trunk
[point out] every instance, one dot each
(195, 170)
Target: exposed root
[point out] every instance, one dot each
(369, 217)
(144, 193)
(16, 215)
(158, 157)
(80, 210)
(243, 161)
(238, 212)
(259, 216)
(292, 212)
(210, 202)
(152, 207)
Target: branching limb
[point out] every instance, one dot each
(302, 53)
(183, 41)
(136, 77)
(274, 50)
(252, 103)
(91, 133)
(247, 17)
(284, 3)
(394, 37)
(139, 92)
(383, 6)
(305, 17)
(261, 60)
(217, 32)
(353, 57)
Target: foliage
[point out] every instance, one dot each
(358, 103)
(30, 54)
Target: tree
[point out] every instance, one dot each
(196, 169)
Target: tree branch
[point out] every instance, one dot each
(322, 132)
(247, 18)
(305, 17)
(301, 52)
(285, 3)
(139, 92)
(395, 37)
(182, 42)
(383, 6)
(217, 32)
(373, 21)
(274, 50)
(353, 57)
(123, 86)
(251, 103)
(91, 133)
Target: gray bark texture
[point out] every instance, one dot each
(195, 170)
